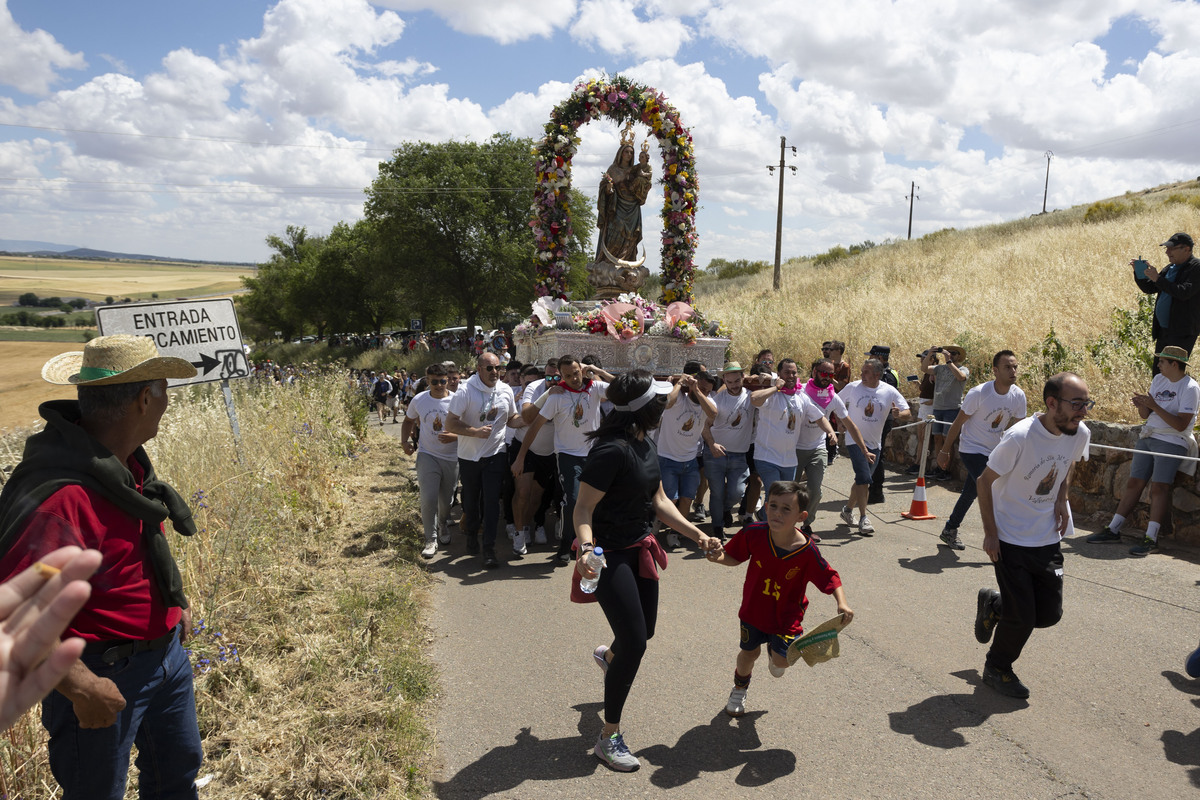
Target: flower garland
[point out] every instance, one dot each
(621, 100)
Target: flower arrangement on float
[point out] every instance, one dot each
(625, 318)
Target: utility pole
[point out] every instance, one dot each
(779, 213)
(912, 195)
(1049, 155)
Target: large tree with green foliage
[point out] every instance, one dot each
(452, 220)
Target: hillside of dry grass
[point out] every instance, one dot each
(995, 287)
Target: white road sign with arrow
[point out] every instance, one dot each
(204, 332)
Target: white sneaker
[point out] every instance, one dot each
(511, 530)
(519, 548)
(847, 516)
(539, 536)
(737, 703)
(430, 549)
(776, 672)
(672, 540)
(865, 527)
(599, 656)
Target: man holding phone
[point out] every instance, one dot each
(1177, 308)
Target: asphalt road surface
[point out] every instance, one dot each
(901, 714)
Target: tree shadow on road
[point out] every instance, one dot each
(940, 561)
(936, 720)
(724, 743)
(529, 758)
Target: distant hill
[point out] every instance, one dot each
(19, 247)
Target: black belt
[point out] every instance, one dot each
(112, 652)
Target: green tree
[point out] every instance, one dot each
(452, 223)
(28, 299)
(284, 294)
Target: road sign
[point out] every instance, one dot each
(204, 332)
(415, 324)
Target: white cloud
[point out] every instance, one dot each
(506, 21)
(616, 27)
(30, 60)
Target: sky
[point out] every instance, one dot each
(196, 129)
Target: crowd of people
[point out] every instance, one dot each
(617, 456)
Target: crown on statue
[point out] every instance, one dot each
(627, 134)
(646, 146)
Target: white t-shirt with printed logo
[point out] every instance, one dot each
(1180, 397)
(990, 414)
(431, 413)
(679, 432)
(733, 427)
(575, 415)
(543, 443)
(780, 419)
(869, 408)
(1032, 464)
(478, 406)
(811, 435)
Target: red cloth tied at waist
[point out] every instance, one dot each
(651, 559)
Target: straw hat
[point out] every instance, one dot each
(1177, 353)
(120, 358)
(955, 350)
(819, 644)
(732, 366)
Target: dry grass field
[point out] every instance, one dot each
(990, 288)
(95, 280)
(21, 386)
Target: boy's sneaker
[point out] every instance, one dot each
(865, 527)
(847, 516)
(1146, 547)
(615, 755)
(985, 614)
(737, 703)
(949, 537)
(1104, 536)
(519, 548)
(599, 655)
(511, 530)
(672, 540)
(539, 536)
(430, 549)
(1005, 682)
(776, 672)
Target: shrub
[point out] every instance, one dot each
(1106, 210)
(1192, 200)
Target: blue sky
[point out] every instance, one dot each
(197, 129)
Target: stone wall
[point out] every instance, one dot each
(1097, 484)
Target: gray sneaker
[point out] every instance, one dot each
(1103, 537)
(847, 516)
(737, 703)
(949, 537)
(985, 614)
(1145, 548)
(615, 755)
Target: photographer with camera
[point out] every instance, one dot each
(949, 380)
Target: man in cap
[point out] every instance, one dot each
(85, 480)
(1169, 409)
(882, 353)
(1177, 308)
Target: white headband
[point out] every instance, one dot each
(639, 402)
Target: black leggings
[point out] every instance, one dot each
(630, 602)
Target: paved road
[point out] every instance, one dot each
(901, 714)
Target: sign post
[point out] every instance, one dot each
(202, 332)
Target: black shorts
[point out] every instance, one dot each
(544, 468)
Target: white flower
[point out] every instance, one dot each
(545, 307)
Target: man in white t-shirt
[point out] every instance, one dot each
(437, 456)
(480, 411)
(679, 439)
(572, 406)
(812, 445)
(987, 411)
(1023, 500)
(727, 439)
(869, 404)
(783, 409)
(1170, 413)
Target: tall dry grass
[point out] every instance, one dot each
(308, 655)
(991, 288)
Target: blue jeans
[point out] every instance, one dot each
(726, 485)
(569, 469)
(481, 482)
(159, 717)
(770, 473)
(975, 463)
(679, 478)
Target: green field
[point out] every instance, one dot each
(46, 335)
(96, 280)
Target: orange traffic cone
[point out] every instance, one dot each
(919, 508)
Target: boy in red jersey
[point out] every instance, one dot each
(783, 561)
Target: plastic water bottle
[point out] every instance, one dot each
(595, 560)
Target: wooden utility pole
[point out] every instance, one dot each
(912, 195)
(779, 213)
(1046, 192)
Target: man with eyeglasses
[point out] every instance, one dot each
(1023, 500)
(1177, 307)
(437, 456)
(479, 413)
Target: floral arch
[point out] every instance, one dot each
(622, 101)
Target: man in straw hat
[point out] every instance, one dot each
(1023, 502)
(1177, 307)
(1170, 412)
(86, 480)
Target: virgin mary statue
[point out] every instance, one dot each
(623, 191)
